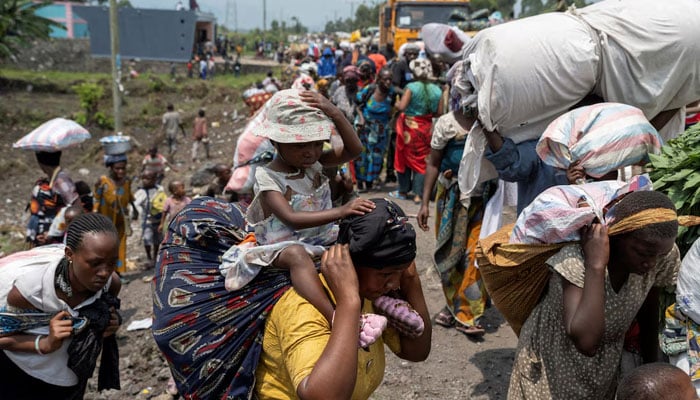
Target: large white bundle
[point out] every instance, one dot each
(644, 53)
(650, 52)
(531, 69)
(525, 74)
(688, 288)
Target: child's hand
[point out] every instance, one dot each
(317, 100)
(358, 206)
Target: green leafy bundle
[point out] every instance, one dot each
(676, 172)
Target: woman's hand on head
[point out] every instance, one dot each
(423, 215)
(358, 206)
(339, 272)
(60, 328)
(596, 245)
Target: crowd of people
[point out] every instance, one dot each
(291, 290)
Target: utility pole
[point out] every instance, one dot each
(235, 16)
(228, 3)
(352, 7)
(264, 15)
(116, 65)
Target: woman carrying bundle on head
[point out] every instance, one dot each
(570, 346)
(112, 198)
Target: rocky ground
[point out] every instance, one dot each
(458, 367)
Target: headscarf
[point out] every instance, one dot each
(50, 158)
(351, 72)
(380, 238)
(112, 159)
(422, 68)
(640, 220)
(303, 82)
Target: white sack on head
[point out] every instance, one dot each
(531, 69)
(688, 286)
(650, 52)
(603, 137)
(444, 41)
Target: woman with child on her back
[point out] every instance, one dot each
(294, 221)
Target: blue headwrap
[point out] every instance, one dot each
(112, 159)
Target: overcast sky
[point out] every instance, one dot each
(311, 13)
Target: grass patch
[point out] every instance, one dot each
(63, 80)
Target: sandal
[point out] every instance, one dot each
(444, 318)
(417, 200)
(397, 195)
(474, 331)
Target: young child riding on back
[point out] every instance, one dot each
(174, 203)
(292, 214)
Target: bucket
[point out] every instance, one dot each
(117, 144)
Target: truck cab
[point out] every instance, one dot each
(400, 21)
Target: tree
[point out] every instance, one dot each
(366, 16)
(19, 25)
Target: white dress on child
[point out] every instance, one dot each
(241, 263)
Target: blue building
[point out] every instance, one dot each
(62, 12)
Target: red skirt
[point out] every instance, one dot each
(413, 134)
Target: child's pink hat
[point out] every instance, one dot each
(290, 120)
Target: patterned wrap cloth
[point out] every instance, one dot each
(211, 337)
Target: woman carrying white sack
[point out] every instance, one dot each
(680, 339)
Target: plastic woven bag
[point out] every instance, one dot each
(558, 214)
(53, 135)
(603, 137)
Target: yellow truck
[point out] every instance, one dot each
(400, 21)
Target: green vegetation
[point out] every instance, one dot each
(19, 25)
(84, 98)
(676, 172)
(89, 94)
(365, 16)
(66, 80)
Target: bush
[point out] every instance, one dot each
(104, 121)
(90, 95)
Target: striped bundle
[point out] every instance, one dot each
(558, 214)
(53, 135)
(603, 137)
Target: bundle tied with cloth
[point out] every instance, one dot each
(622, 51)
(513, 261)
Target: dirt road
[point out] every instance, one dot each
(458, 367)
